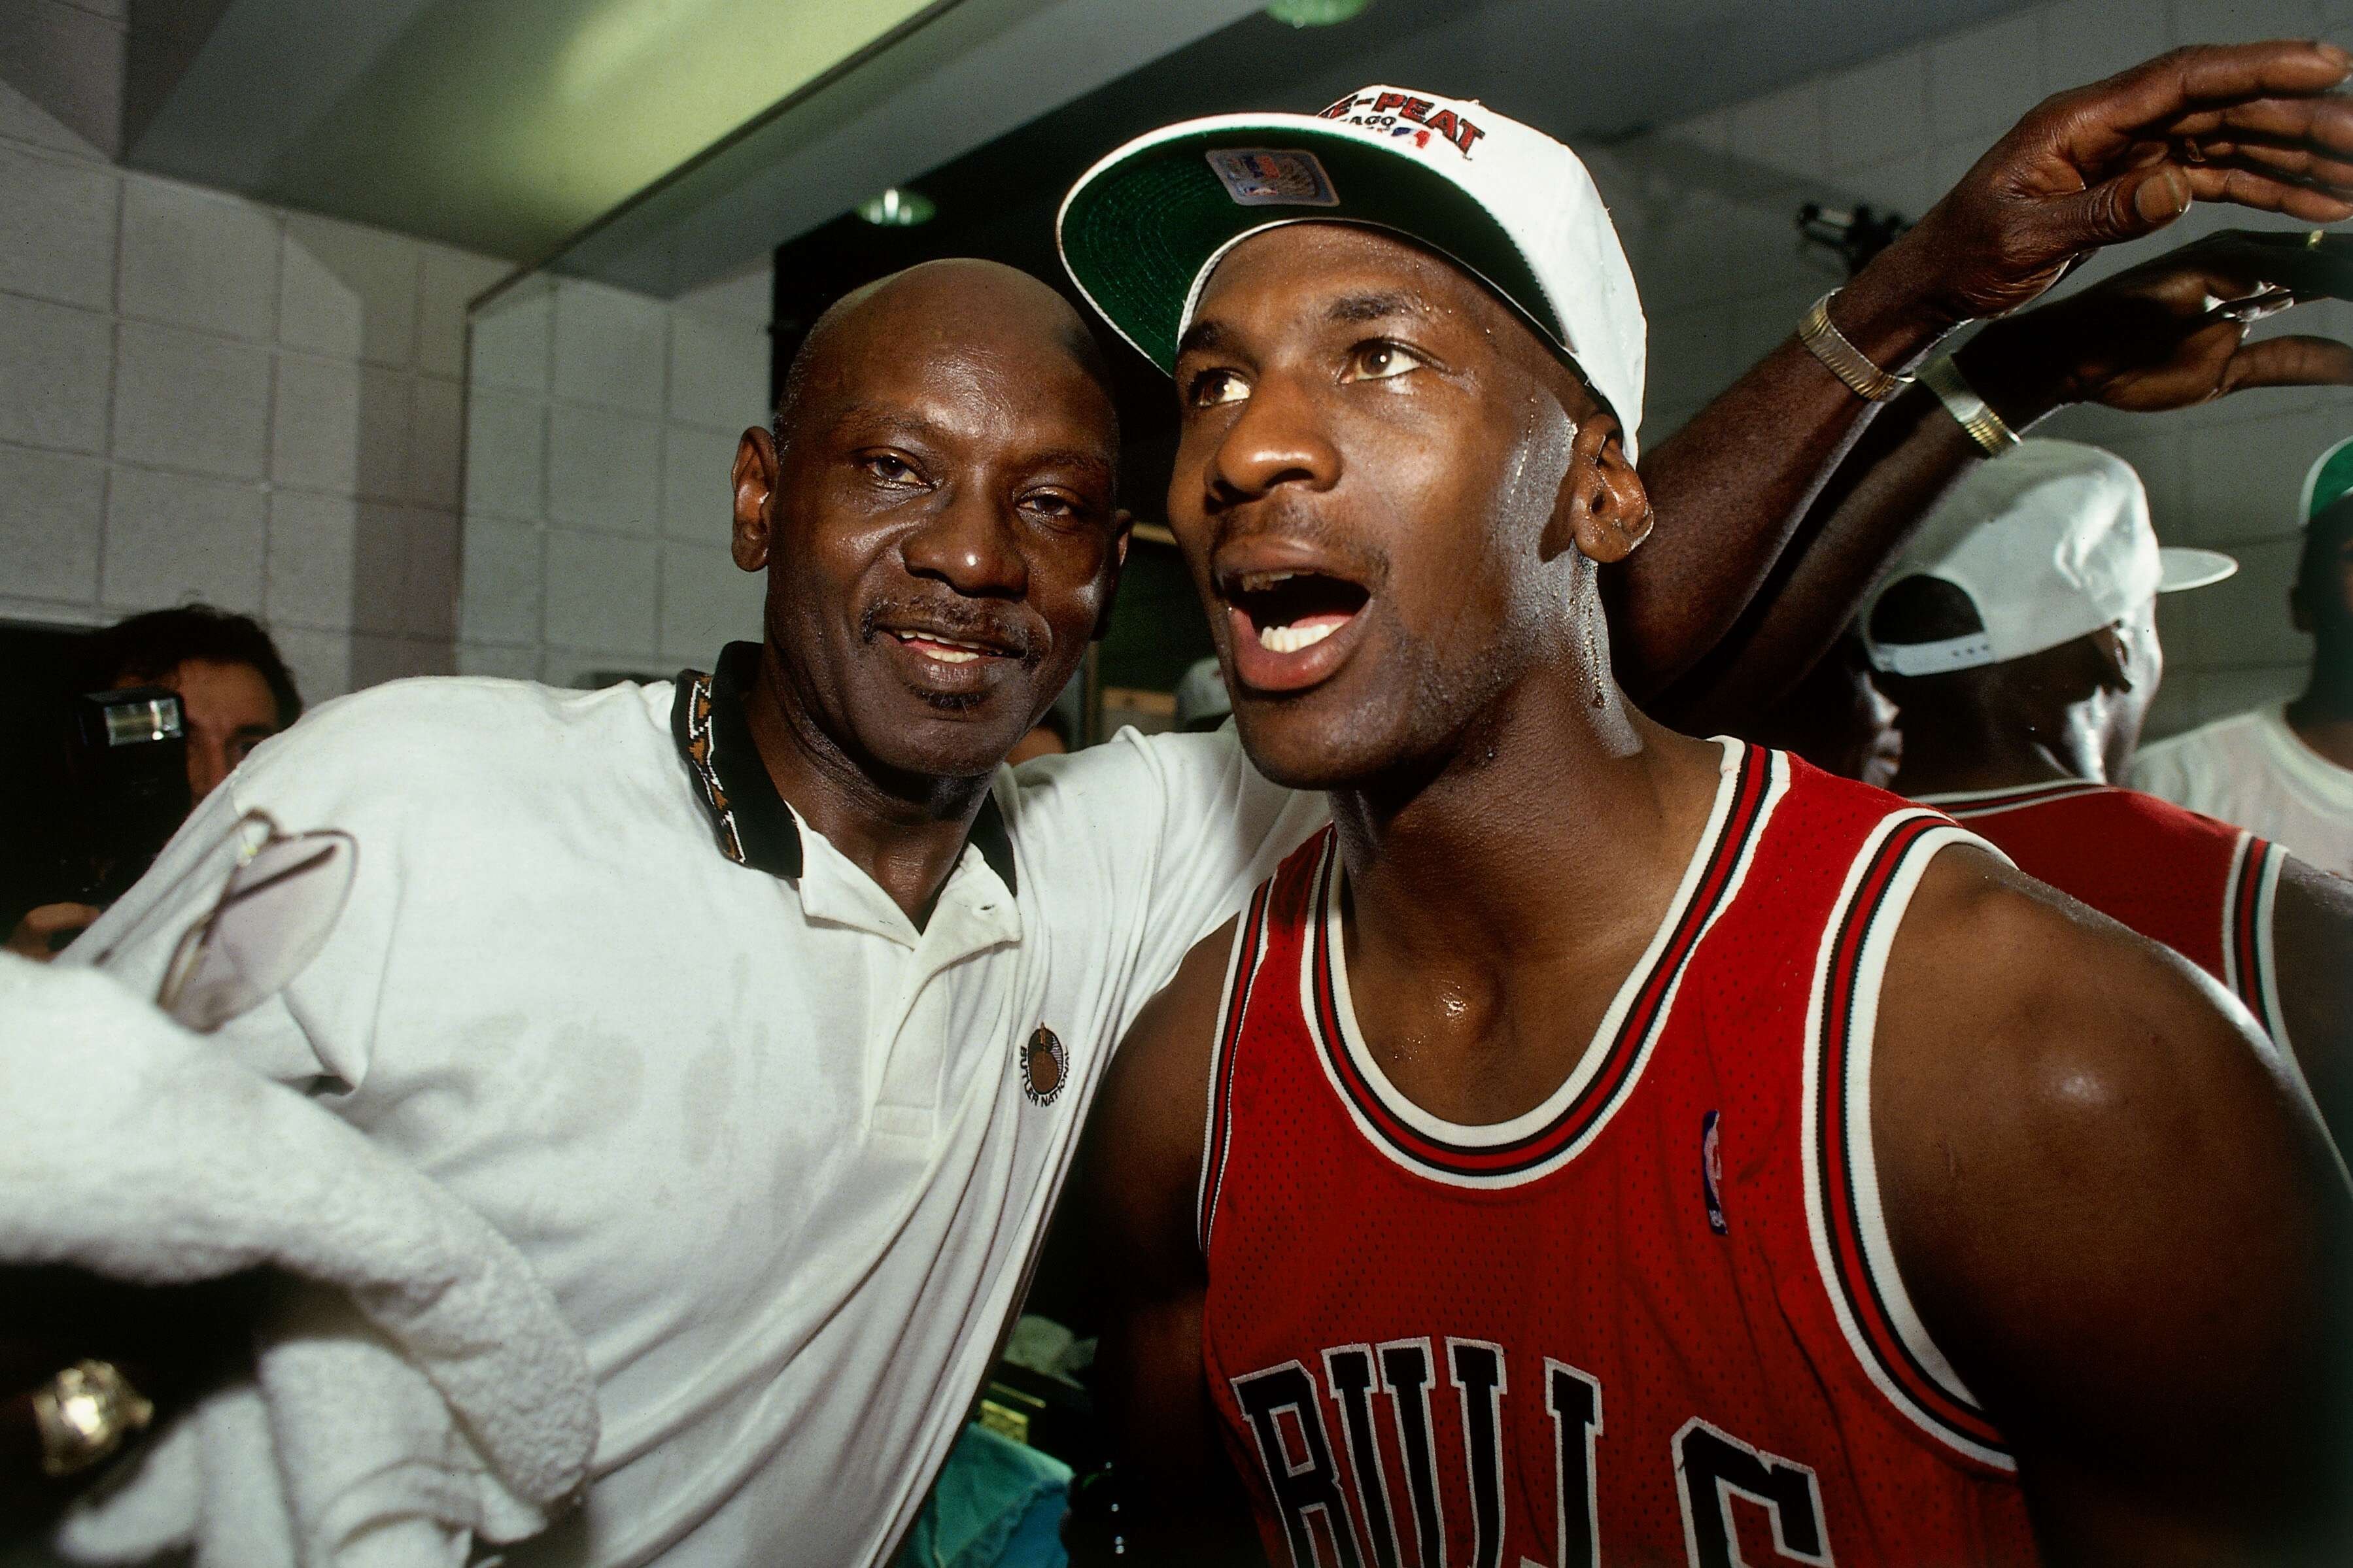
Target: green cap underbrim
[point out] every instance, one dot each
(1135, 235)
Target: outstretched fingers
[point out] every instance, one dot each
(2266, 191)
(2290, 362)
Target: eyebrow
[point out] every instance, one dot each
(1203, 337)
(1209, 336)
(1093, 463)
(1375, 306)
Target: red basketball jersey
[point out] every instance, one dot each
(2203, 887)
(1655, 1319)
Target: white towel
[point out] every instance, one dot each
(420, 1392)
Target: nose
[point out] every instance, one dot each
(1278, 439)
(969, 543)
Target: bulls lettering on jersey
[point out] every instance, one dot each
(1654, 1319)
(2203, 887)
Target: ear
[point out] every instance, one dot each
(2112, 660)
(1602, 508)
(1122, 521)
(2299, 613)
(754, 482)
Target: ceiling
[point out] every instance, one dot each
(660, 144)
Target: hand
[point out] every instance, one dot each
(2254, 125)
(47, 929)
(2170, 332)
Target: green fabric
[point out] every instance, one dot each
(997, 1504)
(1138, 233)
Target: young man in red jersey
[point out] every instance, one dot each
(1603, 1144)
(2020, 645)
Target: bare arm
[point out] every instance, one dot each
(2312, 947)
(2123, 1224)
(2086, 168)
(1179, 1499)
(2169, 333)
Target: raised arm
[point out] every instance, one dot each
(1179, 1501)
(2169, 333)
(2252, 124)
(2120, 1220)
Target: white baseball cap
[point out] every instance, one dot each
(2050, 541)
(1144, 228)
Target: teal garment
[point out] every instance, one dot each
(998, 1504)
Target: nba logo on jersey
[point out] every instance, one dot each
(1711, 1169)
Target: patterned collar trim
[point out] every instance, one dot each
(750, 820)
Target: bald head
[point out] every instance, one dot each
(953, 309)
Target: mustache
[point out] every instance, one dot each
(1288, 518)
(954, 617)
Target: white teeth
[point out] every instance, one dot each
(1291, 639)
(1260, 582)
(945, 650)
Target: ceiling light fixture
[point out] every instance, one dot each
(1314, 13)
(897, 208)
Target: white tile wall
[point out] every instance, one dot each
(52, 514)
(1722, 286)
(205, 397)
(601, 429)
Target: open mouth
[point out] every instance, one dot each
(1290, 612)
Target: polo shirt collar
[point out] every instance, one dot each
(753, 826)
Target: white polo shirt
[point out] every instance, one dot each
(780, 1156)
(2251, 770)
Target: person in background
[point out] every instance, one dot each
(232, 681)
(1836, 718)
(234, 692)
(2287, 770)
(1202, 701)
(2020, 644)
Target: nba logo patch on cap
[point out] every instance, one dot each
(1266, 177)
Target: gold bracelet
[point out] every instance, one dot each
(1845, 361)
(1971, 413)
(85, 1412)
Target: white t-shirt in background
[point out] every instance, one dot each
(775, 1151)
(2251, 770)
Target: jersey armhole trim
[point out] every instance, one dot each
(1852, 1252)
(2247, 965)
(1241, 969)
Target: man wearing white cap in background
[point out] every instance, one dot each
(2020, 646)
(2286, 769)
(1596, 1123)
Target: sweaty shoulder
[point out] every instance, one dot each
(2080, 1144)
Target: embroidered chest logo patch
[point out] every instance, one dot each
(1045, 1066)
